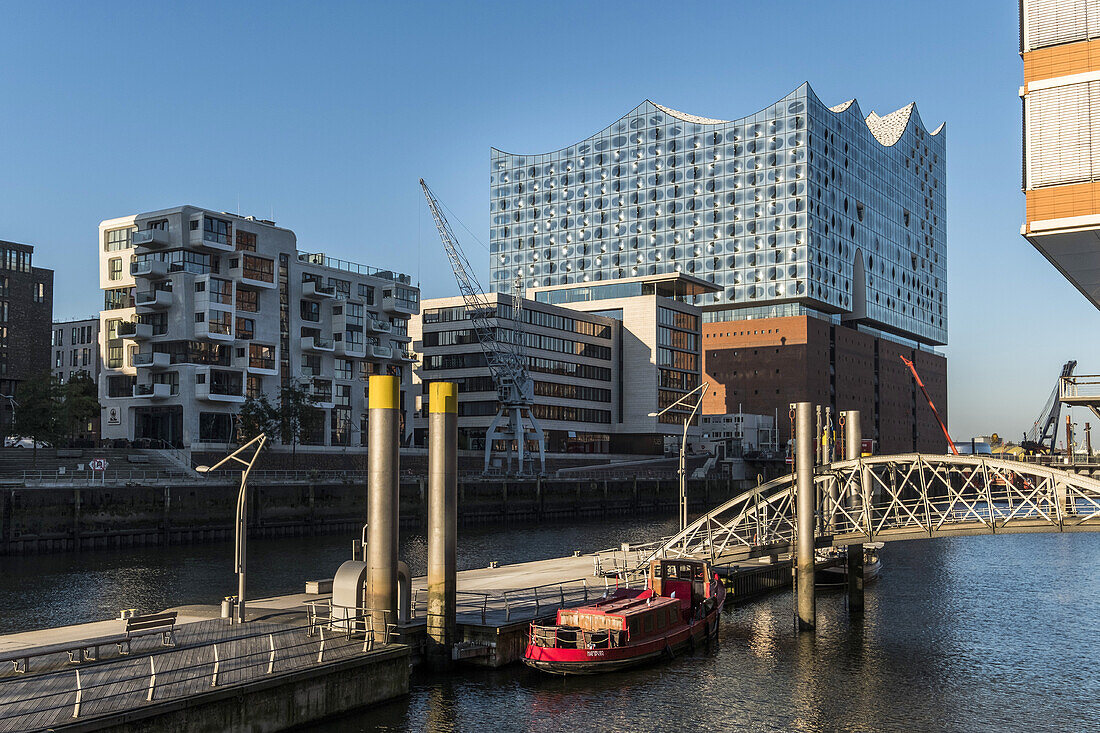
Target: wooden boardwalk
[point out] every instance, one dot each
(47, 696)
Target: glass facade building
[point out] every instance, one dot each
(801, 203)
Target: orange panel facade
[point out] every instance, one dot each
(1058, 202)
(1063, 60)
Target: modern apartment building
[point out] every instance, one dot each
(74, 346)
(602, 359)
(26, 314)
(802, 210)
(203, 309)
(1060, 46)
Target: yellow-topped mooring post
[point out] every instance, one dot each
(383, 499)
(442, 520)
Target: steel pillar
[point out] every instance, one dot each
(853, 448)
(804, 489)
(384, 403)
(829, 449)
(442, 520)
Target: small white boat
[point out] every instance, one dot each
(836, 576)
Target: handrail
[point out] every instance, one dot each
(272, 657)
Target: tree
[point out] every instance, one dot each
(79, 404)
(297, 417)
(37, 411)
(257, 416)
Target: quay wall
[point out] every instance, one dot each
(79, 518)
(276, 703)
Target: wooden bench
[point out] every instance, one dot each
(87, 650)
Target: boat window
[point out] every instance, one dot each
(670, 571)
(661, 619)
(685, 572)
(632, 625)
(671, 616)
(648, 624)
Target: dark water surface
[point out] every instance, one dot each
(965, 634)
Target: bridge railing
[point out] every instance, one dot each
(116, 685)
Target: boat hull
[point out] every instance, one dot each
(599, 661)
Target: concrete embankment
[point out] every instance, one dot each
(76, 518)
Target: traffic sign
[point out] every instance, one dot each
(98, 464)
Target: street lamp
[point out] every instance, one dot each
(702, 390)
(241, 530)
(13, 404)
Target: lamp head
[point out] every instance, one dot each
(202, 469)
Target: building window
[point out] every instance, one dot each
(3, 311)
(119, 239)
(261, 356)
(254, 387)
(246, 328)
(114, 268)
(216, 230)
(366, 292)
(248, 300)
(3, 286)
(114, 356)
(258, 268)
(246, 241)
(344, 369)
(311, 365)
(221, 291)
(310, 311)
(220, 322)
(117, 298)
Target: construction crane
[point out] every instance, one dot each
(931, 404)
(503, 340)
(1044, 432)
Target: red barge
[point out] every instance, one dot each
(678, 608)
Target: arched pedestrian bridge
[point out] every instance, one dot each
(896, 497)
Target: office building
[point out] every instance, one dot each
(602, 358)
(26, 315)
(1060, 46)
(800, 211)
(74, 346)
(203, 309)
(75, 349)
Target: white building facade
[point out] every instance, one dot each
(203, 309)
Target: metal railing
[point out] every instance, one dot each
(97, 689)
(317, 258)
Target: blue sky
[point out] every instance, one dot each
(326, 114)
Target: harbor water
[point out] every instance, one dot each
(964, 634)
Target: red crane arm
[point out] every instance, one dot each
(931, 404)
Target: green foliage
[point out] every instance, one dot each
(297, 417)
(79, 403)
(38, 409)
(257, 416)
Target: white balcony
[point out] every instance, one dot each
(317, 344)
(381, 352)
(135, 331)
(208, 240)
(346, 348)
(391, 304)
(152, 391)
(155, 299)
(217, 387)
(379, 326)
(151, 238)
(151, 269)
(214, 331)
(315, 291)
(152, 360)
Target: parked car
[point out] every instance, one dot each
(13, 441)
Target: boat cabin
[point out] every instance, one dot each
(610, 622)
(683, 579)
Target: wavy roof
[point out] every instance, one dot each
(886, 129)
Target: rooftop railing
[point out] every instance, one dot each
(319, 258)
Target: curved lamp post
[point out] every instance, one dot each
(702, 390)
(241, 530)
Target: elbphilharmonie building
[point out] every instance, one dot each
(821, 208)
(822, 231)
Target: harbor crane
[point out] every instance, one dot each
(503, 340)
(928, 398)
(1044, 432)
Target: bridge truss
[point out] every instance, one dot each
(897, 497)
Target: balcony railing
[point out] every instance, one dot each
(155, 359)
(154, 298)
(381, 352)
(152, 269)
(311, 289)
(156, 391)
(316, 343)
(134, 330)
(379, 326)
(338, 264)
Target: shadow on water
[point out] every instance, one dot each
(964, 634)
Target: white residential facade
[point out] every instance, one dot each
(203, 309)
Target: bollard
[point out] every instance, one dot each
(383, 497)
(442, 520)
(853, 449)
(804, 473)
